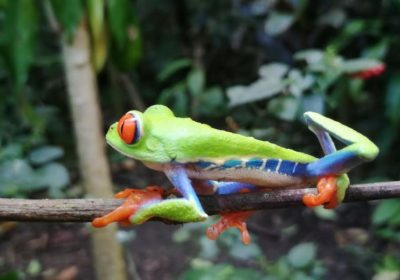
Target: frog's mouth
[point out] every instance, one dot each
(118, 149)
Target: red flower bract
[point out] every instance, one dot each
(370, 72)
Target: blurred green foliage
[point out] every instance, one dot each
(249, 66)
(300, 262)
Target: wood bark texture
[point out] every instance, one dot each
(85, 210)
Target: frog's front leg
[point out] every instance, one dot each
(142, 205)
(185, 209)
(331, 168)
(134, 200)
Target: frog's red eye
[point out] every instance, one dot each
(129, 128)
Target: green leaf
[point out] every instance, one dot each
(16, 176)
(302, 255)
(11, 151)
(45, 154)
(325, 214)
(208, 249)
(360, 64)
(17, 169)
(96, 16)
(98, 32)
(126, 47)
(313, 102)
(393, 99)
(310, 56)
(181, 235)
(34, 268)
(245, 252)
(18, 38)
(176, 98)
(54, 175)
(300, 275)
(387, 275)
(99, 50)
(12, 275)
(196, 81)
(212, 102)
(299, 83)
(258, 90)
(273, 70)
(335, 17)
(379, 50)
(245, 273)
(385, 211)
(389, 263)
(278, 23)
(220, 272)
(69, 14)
(284, 107)
(174, 67)
(118, 15)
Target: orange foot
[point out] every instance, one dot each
(327, 189)
(135, 199)
(228, 220)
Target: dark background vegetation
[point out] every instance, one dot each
(197, 57)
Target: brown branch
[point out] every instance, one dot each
(85, 210)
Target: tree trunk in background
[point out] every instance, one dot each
(82, 90)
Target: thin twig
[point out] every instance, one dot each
(133, 92)
(85, 210)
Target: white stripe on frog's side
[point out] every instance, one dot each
(294, 167)
(278, 165)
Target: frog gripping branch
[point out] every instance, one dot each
(197, 158)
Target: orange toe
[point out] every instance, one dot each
(327, 193)
(135, 199)
(228, 220)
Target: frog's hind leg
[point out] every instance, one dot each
(331, 190)
(234, 219)
(331, 168)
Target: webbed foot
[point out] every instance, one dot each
(327, 193)
(134, 200)
(228, 220)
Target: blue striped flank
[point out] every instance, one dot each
(232, 163)
(286, 167)
(204, 164)
(254, 163)
(271, 165)
(301, 170)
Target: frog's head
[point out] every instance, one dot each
(133, 135)
(126, 134)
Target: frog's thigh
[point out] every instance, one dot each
(231, 187)
(176, 209)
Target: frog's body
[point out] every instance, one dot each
(185, 149)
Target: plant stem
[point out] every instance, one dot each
(85, 210)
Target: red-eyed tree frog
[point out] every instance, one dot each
(199, 159)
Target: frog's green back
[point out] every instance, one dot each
(185, 140)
